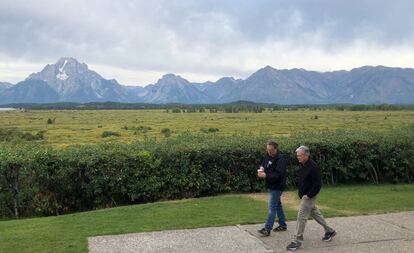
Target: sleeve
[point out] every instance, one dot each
(264, 162)
(316, 182)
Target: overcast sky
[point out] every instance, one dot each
(136, 42)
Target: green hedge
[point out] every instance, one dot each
(37, 180)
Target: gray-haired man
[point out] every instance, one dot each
(309, 185)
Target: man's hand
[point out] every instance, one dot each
(261, 173)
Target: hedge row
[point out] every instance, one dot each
(36, 180)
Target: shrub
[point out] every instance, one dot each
(36, 180)
(51, 121)
(166, 132)
(142, 129)
(209, 130)
(14, 134)
(110, 133)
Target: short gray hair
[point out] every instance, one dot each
(304, 149)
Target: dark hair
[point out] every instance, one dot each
(273, 143)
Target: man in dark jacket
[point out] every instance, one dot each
(309, 185)
(273, 170)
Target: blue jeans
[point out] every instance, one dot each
(275, 207)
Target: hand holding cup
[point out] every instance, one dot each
(260, 172)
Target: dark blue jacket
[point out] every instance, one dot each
(276, 170)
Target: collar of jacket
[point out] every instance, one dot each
(274, 158)
(307, 163)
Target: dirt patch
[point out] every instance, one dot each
(291, 200)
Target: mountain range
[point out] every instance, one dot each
(71, 81)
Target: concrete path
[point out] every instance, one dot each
(375, 233)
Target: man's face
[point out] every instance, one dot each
(302, 158)
(271, 150)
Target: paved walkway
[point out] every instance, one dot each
(375, 233)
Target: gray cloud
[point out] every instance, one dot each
(205, 37)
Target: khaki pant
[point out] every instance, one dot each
(308, 208)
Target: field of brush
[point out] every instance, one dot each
(63, 128)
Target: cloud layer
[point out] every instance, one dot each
(137, 41)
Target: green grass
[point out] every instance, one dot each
(81, 127)
(369, 199)
(69, 233)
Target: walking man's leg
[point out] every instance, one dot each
(305, 208)
(281, 217)
(274, 198)
(317, 216)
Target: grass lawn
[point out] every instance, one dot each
(69, 233)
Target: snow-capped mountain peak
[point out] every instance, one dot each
(73, 81)
(62, 74)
